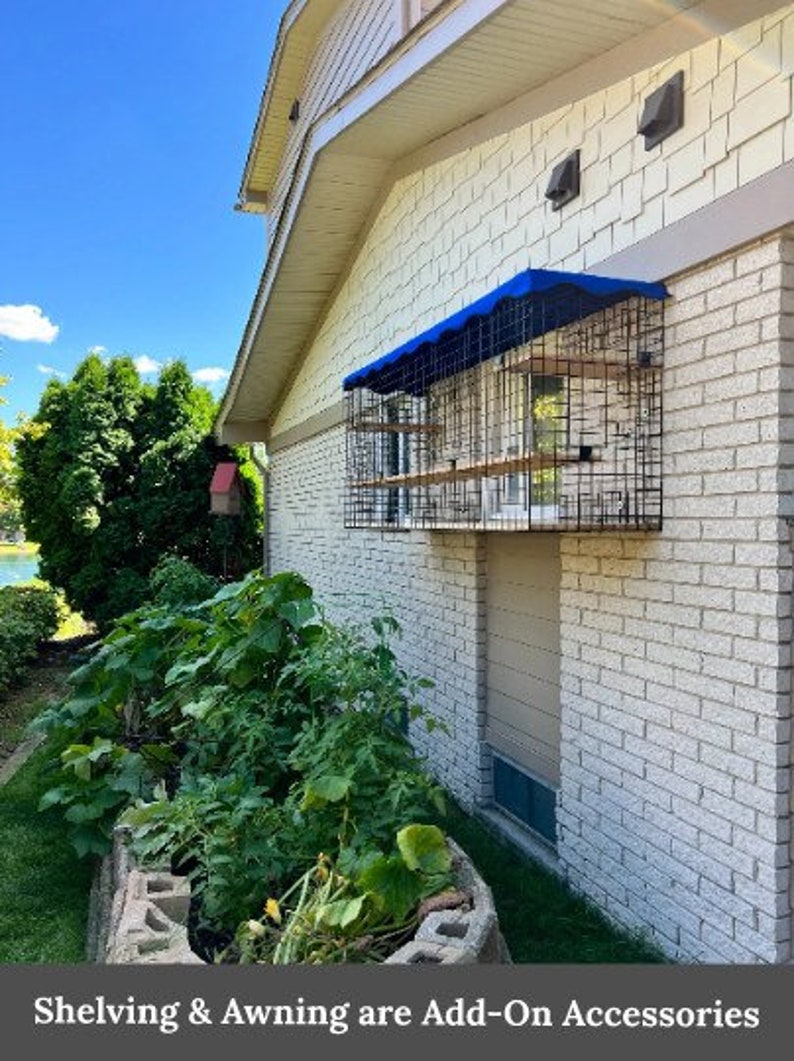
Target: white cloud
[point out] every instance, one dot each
(98, 351)
(147, 366)
(48, 370)
(211, 375)
(27, 324)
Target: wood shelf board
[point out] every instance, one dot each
(395, 428)
(577, 368)
(474, 470)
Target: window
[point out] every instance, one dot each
(533, 422)
(530, 801)
(396, 461)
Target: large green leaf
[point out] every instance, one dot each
(76, 757)
(341, 913)
(198, 709)
(394, 888)
(140, 814)
(329, 788)
(51, 797)
(129, 775)
(100, 803)
(185, 671)
(244, 674)
(88, 841)
(298, 613)
(100, 748)
(424, 848)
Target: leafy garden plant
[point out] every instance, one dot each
(29, 614)
(253, 744)
(358, 909)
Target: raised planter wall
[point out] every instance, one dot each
(140, 917)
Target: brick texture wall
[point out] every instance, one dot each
(432, 583)
(451, 232)
(676, 648)
(675, 802)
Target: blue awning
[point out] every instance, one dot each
(533, 303)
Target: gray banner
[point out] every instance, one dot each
(149, 1012)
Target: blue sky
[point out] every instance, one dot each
(124, 128)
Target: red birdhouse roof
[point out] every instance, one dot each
(224, 478)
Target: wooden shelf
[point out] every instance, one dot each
(394, 428)
(577, 368)
(475, 470)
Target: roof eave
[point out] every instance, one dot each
(299, 27)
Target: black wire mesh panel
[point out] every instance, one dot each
(543, 415)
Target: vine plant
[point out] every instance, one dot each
(254, 744)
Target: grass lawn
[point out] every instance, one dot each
(541, 919)
(73, 625)
(44, 887)
(19, 705)
(22, 549)
(44, 681)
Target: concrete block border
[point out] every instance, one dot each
(140, 917)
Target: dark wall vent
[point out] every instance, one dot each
(295, 110)
(564, 181)
(663, 113)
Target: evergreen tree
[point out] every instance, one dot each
(117, 475)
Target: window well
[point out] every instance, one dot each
(525, 798)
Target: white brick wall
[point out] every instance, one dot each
(687, 789)
(675, 799)
(674, 804)
(433, 584)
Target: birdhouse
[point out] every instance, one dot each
(225, 490)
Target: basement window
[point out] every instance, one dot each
(536, 408)
(531, 802)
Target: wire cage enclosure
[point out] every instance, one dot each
(542, 413)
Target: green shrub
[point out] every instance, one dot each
(361, 914)
(175, 581)
(28, 615)
(123, 592)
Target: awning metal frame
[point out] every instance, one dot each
(537, 407)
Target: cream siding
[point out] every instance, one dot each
(523, 651)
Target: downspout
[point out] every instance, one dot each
(262, 461)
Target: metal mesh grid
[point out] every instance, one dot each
(517, 424)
